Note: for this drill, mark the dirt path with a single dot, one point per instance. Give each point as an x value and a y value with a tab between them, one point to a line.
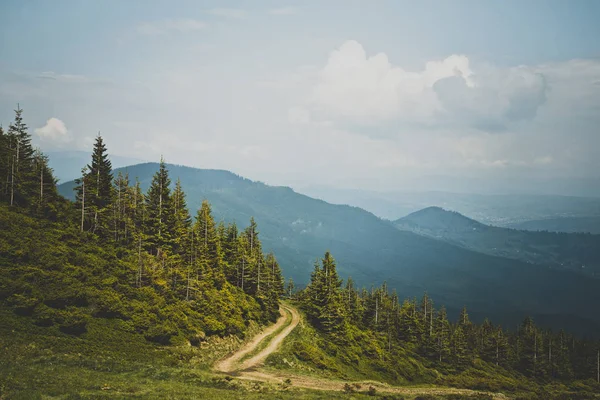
232	362
249	369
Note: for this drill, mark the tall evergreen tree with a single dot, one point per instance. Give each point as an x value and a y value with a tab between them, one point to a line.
209	259
46	182
442	335
160	217
21	185
101	187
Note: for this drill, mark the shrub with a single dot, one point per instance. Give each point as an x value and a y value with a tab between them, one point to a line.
73	321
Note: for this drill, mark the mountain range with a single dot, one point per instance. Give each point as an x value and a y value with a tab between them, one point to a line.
578	252
298	229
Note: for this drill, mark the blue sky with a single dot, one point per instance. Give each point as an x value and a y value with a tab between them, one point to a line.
366	94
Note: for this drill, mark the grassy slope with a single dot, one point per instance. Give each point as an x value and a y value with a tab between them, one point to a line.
110	362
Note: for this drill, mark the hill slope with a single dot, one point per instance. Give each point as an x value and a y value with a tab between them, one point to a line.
561	224
570	251
298	229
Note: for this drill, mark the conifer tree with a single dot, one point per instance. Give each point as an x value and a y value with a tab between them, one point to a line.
231	254
46	184
183	221
289	289
459	351
100	187
207	243
5	163
160	217
22	187
442	335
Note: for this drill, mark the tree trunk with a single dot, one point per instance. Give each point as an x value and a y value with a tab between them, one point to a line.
82	201
12	183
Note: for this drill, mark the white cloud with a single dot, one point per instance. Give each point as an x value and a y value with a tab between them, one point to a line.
54	130
170	25
369	90
233	13
283	11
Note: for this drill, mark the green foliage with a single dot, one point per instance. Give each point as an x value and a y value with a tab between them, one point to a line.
482	357
137	258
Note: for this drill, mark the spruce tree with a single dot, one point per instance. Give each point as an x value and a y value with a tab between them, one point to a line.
160	217
100	188
442	335
207	242
459	347
183	221
46	182
22	187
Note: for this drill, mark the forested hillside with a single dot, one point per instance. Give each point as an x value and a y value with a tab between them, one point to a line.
371	251
124	253
579	252
402	339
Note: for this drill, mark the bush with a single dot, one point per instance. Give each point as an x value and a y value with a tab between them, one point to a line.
73	321
161	333
23	305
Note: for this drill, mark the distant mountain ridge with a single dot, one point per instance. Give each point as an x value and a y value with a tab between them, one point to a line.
298	229
573	251
561	224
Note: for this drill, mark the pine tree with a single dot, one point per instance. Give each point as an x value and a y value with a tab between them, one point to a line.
100	188
209	257
441	335
5	164
459	347
324	302
183	221
82	197
46	184
412	326
21	183
289	289
231	254
121	209
160	217
252	257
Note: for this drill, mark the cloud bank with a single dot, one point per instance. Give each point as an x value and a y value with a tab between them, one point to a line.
369	90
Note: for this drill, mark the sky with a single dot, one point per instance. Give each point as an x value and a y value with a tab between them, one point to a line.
370	95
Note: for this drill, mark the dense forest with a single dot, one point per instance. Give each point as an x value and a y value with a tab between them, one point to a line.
120	253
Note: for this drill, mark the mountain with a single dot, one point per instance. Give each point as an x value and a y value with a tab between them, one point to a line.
493	209
570	251
298	229
590	224
67	164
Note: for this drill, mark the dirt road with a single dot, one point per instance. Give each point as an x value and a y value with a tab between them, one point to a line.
232	363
